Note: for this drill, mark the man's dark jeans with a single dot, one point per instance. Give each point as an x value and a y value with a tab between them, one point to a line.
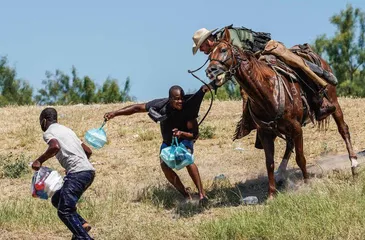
66	198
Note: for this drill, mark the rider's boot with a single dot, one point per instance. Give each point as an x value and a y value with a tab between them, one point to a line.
323	107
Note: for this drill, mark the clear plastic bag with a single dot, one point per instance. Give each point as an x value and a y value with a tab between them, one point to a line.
176	156
45	182
96	137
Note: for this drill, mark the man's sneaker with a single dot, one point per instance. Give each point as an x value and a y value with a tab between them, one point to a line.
203	202
86	226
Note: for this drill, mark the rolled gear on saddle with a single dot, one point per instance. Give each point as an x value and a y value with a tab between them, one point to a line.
322	73
278	49
321	107
245	38
314	62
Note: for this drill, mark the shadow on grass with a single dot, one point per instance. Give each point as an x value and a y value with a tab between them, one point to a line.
167	197
221	193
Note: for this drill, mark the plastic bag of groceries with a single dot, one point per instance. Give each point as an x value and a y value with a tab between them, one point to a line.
45	182
176	156
96	137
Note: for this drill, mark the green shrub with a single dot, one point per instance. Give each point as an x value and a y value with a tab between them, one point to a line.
14	166
146	135
207	132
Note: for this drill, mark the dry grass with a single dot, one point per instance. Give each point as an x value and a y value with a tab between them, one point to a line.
130	198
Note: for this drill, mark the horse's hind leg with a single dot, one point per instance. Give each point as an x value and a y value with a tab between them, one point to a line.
343	129
280	174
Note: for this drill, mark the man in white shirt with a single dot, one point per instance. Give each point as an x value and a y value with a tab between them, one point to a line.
74	156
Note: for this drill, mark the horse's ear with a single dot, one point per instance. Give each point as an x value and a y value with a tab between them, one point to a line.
227	36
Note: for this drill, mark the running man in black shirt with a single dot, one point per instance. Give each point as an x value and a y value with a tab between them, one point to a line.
178	117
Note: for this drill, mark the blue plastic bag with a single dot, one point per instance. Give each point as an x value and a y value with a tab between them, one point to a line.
96	137
176	156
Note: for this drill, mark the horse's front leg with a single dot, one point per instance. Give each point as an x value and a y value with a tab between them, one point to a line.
281	174
267	140
297	136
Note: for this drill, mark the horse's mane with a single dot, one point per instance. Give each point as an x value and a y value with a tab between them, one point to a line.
260	71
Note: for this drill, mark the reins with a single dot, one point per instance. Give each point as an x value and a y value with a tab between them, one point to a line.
211	93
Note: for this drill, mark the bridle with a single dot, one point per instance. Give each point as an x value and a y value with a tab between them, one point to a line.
235	55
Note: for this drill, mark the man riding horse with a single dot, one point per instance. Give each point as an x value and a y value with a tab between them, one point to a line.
277	105
262	45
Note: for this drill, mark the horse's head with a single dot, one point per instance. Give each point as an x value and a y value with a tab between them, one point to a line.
222	60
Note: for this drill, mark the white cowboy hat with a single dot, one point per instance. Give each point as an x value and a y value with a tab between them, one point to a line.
199	37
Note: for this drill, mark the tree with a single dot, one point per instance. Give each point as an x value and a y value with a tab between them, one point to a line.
125	97
13	90
109	92
59	88
89	89
56	89
345	51
229	91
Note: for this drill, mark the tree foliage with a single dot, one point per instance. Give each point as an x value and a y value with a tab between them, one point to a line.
62	89
13	90
345	51
229	91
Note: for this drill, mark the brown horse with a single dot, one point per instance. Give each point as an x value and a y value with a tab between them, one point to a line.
275	103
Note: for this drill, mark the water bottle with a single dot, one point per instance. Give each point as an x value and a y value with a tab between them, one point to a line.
180	156
39	185
219	177
250	200
42	194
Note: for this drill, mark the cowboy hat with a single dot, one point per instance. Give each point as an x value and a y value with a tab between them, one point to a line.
199	37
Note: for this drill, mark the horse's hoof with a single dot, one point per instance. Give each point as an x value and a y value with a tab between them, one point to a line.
280	177
280	183
270	198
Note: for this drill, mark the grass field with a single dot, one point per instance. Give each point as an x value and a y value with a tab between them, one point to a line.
131	199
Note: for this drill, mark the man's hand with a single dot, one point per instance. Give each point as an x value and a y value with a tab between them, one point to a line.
109	116
176	133
36	165
205	88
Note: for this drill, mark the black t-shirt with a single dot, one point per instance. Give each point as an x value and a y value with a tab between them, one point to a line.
175	118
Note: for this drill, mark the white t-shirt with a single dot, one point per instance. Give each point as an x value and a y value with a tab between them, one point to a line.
71	154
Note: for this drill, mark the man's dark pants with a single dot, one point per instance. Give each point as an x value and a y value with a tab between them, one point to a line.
65	200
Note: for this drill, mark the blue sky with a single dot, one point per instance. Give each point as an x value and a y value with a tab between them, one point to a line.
149	41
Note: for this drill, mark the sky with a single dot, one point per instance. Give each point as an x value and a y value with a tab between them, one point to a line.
148	41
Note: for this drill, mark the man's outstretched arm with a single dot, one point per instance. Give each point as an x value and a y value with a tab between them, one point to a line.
128	110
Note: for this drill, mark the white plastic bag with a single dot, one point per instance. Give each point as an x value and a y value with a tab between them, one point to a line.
45	183
53	183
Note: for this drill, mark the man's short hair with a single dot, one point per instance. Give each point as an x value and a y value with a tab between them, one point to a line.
50	114
176	87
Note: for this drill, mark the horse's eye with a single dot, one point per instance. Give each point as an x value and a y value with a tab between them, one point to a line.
224	50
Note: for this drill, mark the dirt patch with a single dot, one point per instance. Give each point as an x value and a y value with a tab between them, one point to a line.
258	186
